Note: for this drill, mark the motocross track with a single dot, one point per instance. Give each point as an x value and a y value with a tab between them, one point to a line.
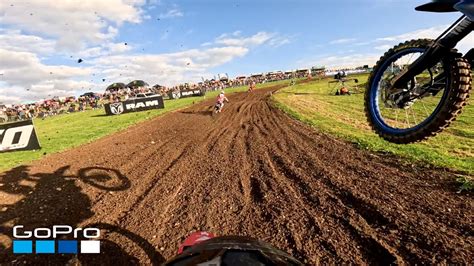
250	170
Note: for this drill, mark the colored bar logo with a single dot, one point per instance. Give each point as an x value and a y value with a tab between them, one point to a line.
48	247
45	247
90	247
67	246
23	245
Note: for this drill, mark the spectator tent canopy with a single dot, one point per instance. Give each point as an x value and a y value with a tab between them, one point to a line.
158	86
115	87
318	71
302	71
89	94
137	84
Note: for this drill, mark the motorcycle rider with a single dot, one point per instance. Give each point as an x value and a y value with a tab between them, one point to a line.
252	86
220	101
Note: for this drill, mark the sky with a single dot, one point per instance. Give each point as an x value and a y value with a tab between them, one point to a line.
171	42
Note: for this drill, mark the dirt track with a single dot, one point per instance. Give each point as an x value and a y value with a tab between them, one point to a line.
252	171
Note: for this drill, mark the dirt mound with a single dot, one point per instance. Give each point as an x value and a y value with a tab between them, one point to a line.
250	170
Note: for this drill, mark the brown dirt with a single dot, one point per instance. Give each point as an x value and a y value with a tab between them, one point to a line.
250	170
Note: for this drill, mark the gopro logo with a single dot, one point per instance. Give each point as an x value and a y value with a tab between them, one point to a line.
52	246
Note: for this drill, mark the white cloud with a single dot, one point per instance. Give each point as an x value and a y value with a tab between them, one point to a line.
28	79
466	44
256	39
279	41
74	24
353	60
6	96
343	41
340	61
44	90
172	13
430	33
234	39
381	44
109	48
14	40
167	69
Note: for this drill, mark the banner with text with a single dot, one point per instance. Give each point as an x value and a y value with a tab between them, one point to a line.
135	105
18	136
186	93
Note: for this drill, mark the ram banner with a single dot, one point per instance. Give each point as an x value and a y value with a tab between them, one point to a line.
134	105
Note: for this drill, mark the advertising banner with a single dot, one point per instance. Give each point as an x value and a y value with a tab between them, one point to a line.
135	105
186	93
18	136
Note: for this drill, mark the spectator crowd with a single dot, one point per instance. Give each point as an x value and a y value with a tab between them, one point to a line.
55	106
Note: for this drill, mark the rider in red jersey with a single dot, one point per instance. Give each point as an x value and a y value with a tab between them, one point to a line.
220	101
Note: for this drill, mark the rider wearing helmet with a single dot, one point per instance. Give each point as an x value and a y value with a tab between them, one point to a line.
252	86
220	101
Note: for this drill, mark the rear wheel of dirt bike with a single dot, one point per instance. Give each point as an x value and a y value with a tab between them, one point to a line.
429	103
215	109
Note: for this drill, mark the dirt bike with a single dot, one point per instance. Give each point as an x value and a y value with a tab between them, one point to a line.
203	248
218	108
419	87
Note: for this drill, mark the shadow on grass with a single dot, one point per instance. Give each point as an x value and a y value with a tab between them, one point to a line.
100	115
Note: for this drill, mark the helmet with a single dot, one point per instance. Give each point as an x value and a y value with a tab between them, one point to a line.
222	91
231	250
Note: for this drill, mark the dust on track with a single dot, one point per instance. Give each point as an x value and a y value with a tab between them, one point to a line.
250	170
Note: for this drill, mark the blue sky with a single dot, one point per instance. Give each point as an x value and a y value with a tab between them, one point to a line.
310	26
170	42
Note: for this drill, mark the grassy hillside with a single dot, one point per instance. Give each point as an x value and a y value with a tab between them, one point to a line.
344	117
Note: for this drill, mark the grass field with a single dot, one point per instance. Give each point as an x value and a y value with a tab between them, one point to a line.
66	131
344	117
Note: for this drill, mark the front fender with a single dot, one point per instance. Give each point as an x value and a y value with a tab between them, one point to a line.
466	7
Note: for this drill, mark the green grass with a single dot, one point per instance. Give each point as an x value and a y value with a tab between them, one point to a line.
465	183
344	117
66	131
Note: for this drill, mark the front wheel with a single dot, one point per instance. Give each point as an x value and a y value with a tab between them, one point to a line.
428	103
